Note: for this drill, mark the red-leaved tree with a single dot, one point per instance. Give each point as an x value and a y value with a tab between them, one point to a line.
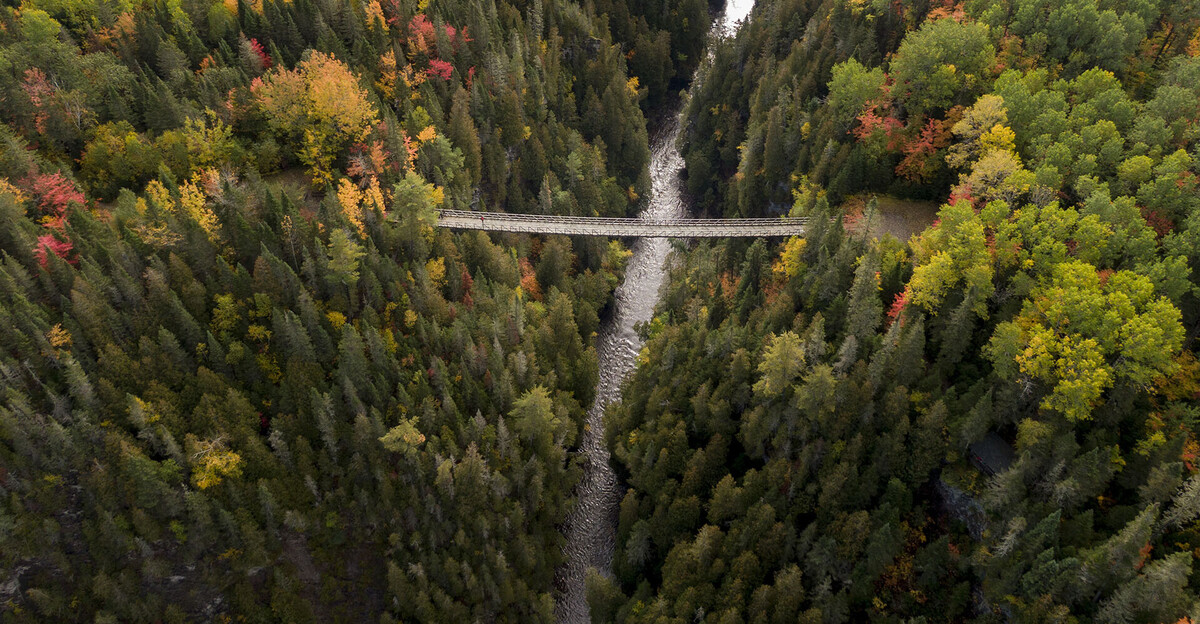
440	69
918	163
54	192
50	241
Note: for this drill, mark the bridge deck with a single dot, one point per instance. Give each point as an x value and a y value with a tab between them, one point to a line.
603	226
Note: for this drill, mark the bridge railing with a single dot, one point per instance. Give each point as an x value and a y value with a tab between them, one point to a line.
559	219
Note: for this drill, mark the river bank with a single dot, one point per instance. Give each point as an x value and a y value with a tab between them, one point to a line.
591	527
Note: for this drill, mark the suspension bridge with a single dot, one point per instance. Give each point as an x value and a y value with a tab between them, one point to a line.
617	228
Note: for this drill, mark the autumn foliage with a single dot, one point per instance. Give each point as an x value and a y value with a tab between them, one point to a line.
55	195
319	107
529	282
920	161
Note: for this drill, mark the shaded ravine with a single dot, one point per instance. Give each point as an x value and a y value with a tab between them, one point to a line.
591	527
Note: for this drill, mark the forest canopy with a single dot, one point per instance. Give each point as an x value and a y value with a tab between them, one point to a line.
244	377
993	420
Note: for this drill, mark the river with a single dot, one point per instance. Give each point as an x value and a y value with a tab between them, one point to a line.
591	527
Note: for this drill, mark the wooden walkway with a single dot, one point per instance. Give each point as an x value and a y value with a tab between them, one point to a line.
617	228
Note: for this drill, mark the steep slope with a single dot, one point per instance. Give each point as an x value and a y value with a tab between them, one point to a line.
992	422
244	379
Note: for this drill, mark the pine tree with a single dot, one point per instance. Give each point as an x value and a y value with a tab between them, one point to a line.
866	308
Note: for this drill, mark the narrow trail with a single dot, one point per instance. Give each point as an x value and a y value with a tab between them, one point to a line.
591	527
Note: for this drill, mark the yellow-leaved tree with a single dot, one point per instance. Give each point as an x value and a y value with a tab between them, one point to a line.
1080	333
319	107
952	253
212	461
